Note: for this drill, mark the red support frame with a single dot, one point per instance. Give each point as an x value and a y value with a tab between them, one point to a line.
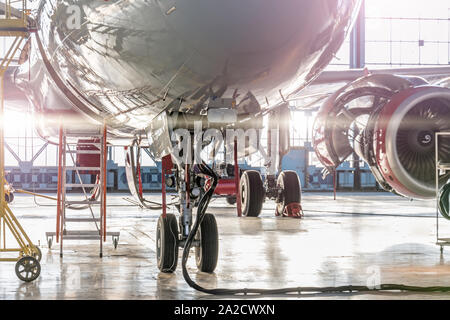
138	174
226	187
105	178
335	183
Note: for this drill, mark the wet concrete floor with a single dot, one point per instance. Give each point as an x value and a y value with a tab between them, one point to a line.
360	239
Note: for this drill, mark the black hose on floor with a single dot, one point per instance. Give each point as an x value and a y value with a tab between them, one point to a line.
203	205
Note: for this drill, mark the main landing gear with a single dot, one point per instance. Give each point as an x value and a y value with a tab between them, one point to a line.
285	191
252	193
289	195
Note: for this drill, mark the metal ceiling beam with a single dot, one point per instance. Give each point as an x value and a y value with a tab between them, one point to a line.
358	41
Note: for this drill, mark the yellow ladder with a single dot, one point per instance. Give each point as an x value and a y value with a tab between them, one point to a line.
14	24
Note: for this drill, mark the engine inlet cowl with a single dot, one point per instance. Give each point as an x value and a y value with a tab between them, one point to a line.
404	140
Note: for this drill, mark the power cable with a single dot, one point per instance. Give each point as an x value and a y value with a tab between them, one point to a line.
201	211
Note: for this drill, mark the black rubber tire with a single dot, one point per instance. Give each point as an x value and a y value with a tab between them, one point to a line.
207	254
28	269
167	243
252	193
231	201
289	183
9	197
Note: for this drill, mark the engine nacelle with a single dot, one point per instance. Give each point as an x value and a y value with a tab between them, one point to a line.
404	139
390	122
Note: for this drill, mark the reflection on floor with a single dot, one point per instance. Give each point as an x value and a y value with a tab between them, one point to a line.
354	240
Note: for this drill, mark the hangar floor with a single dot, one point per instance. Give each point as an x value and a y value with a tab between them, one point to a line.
341	242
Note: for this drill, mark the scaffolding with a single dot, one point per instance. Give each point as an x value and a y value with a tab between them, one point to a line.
14	24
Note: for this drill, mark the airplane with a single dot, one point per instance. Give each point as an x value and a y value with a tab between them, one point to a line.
161	74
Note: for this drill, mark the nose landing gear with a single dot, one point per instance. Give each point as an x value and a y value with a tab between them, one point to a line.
172	232
206	244
207	249
167	243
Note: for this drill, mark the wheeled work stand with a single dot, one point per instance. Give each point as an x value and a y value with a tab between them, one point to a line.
14	26
440	167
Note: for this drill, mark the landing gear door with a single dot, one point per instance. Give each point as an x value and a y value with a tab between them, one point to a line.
158	134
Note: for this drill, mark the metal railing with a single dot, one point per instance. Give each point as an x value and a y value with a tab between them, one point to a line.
10	8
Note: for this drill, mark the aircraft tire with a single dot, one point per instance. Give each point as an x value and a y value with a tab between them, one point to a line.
207	253
167	243
252	193
290	188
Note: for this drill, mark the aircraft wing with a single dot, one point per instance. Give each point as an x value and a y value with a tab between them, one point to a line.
331	81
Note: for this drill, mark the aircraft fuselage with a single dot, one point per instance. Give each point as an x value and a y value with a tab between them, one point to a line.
127	61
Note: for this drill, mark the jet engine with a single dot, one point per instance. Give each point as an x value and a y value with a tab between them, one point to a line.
390	122
404	140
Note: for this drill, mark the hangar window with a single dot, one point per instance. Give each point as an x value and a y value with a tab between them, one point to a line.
395	37
398	37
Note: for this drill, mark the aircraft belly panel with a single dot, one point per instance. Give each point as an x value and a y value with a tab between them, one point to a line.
129	60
